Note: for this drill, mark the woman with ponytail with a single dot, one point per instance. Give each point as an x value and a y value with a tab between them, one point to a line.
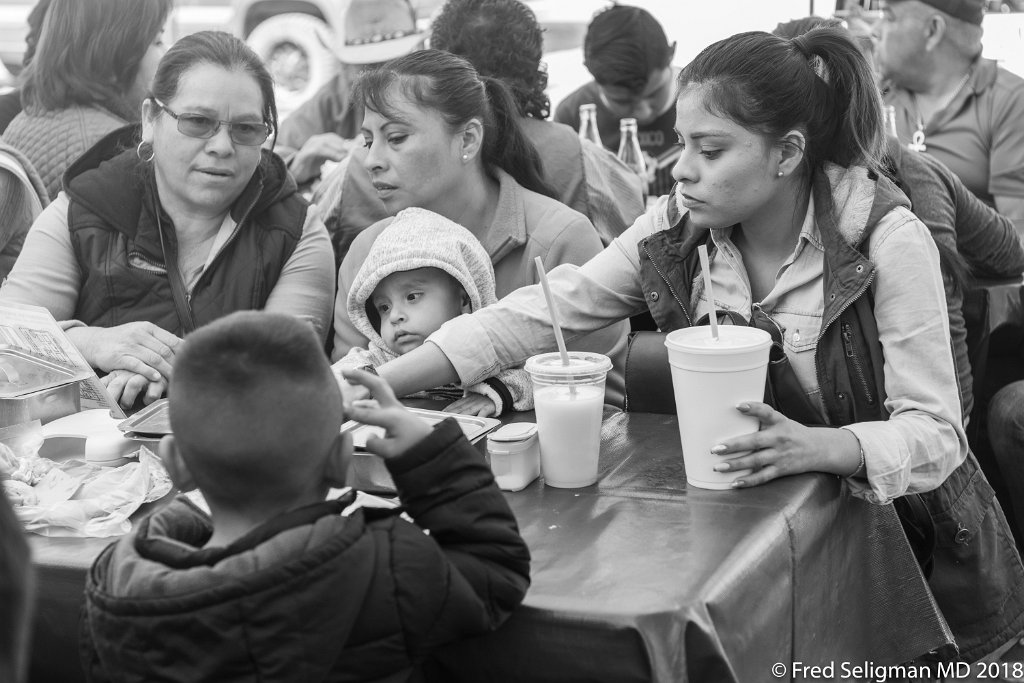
779	177
438	136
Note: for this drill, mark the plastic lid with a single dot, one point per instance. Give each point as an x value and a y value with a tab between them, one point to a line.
517	431
580	363
22	372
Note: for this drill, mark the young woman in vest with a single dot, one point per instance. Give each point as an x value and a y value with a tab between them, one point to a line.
440	137
163	228
778	175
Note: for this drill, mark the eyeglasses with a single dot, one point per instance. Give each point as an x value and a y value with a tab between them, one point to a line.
205	127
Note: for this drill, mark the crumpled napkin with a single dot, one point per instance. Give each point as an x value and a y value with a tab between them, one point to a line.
80	499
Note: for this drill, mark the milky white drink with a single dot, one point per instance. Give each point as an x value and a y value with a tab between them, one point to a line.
709	379
569	402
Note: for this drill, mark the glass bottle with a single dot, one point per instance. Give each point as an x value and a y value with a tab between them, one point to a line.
629	149
588	124
890	121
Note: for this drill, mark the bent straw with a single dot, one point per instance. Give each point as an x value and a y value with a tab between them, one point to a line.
551	309
702	250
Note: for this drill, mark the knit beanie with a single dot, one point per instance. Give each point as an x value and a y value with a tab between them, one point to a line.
418	238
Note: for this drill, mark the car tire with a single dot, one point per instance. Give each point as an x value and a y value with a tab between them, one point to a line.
294	55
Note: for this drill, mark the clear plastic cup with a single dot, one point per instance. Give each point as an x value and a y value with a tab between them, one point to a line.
569	402
709	378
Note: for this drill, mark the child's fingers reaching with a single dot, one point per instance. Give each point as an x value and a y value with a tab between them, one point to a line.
379	388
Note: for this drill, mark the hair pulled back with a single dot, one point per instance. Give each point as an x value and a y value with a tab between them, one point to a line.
88	52
818	83
501	39
219	49
449	85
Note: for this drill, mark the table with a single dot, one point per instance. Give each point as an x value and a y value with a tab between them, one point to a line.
640	578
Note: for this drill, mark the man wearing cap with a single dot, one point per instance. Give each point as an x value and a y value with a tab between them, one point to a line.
964	110
629	56
324	127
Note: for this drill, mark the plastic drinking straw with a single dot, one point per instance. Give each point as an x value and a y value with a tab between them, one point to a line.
702	250
554	314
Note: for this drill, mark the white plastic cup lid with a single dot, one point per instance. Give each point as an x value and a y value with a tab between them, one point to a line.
580	363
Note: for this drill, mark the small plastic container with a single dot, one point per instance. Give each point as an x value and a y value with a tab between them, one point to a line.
514	454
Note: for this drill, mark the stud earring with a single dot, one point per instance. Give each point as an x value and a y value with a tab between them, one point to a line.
781	174
465	157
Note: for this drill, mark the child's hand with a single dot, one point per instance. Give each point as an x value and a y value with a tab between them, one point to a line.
402	429
473	404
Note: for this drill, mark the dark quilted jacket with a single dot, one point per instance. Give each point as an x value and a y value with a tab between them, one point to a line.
312	595
52	140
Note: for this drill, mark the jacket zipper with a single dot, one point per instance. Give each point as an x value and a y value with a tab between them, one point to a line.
828	323
669	285
857	368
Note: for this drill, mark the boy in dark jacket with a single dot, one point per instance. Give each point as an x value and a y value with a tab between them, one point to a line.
276	584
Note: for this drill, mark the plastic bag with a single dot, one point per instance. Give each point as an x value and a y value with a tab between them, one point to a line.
80	499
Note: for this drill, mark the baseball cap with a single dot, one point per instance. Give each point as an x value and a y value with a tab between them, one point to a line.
971	11
378	30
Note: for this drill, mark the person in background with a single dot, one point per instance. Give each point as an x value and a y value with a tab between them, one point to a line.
442	138
630	58
89	74
168	226
964	110
779	175
10	102
276	583
22	199
17	589
422	271
326	127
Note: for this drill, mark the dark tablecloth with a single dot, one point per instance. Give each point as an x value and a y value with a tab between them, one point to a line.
641	578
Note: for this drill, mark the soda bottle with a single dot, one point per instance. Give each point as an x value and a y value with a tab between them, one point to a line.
630	152
588	124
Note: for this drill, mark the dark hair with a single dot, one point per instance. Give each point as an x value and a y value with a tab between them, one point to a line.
798	27
623	46
35	25
16	591
219	49
501	39
450	85
818	83
251	373
89	52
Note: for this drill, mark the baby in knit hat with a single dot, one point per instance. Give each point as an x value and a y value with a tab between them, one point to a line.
422	271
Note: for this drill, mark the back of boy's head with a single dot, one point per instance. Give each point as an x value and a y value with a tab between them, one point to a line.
254	408
623	46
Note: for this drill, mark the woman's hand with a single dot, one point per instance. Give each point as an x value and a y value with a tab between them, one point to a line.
138	347
402	429
473	404
125	386
783	447
306	163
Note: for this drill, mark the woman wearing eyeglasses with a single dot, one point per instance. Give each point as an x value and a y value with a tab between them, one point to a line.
165	227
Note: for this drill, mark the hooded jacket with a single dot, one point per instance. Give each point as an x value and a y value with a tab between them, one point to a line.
313	594
418	238
116	221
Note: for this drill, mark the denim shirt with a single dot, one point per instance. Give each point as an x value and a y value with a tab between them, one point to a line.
795	302
915	450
